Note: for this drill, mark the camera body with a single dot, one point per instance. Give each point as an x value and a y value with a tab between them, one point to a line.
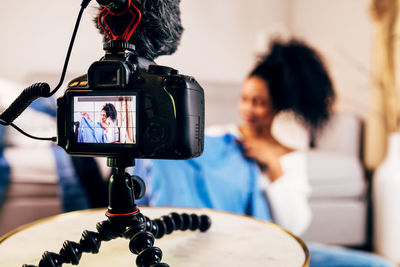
156	113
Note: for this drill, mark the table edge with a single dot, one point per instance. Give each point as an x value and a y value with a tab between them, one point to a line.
299	240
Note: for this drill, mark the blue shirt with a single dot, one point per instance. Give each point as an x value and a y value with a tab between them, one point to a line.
221	178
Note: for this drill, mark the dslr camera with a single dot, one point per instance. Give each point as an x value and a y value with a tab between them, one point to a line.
126	106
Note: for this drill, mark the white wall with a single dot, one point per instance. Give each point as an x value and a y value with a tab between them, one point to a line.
342	31
222	36
35	36
219	44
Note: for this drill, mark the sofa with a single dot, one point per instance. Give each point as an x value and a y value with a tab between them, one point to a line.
339	199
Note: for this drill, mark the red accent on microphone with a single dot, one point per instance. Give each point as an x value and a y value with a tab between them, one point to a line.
131	10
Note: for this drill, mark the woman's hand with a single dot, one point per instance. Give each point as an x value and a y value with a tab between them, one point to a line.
105	125
84	114
266	153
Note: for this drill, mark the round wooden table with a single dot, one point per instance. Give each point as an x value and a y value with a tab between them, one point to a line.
232	240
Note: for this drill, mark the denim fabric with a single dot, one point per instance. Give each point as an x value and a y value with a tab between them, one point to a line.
45	105
335	256
73	195
4	167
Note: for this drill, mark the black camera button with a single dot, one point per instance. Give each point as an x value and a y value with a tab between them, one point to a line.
148	102
155	133
174	82
150	113
140	80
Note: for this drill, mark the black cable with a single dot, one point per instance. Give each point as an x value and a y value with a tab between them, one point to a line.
85	3
27	96
53	139
71	44
40	89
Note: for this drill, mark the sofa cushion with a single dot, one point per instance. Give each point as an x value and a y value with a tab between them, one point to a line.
31	164
338	221
334	175
341	135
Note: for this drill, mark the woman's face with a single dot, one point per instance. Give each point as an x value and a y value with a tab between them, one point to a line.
255	104
103	115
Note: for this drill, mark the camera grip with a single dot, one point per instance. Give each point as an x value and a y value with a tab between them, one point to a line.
27	96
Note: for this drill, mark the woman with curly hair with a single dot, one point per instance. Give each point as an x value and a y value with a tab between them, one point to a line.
290	78
108	120
244	168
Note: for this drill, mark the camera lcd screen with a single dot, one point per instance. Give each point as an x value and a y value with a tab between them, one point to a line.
105	119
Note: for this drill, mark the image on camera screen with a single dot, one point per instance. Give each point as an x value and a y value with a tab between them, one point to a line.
105	119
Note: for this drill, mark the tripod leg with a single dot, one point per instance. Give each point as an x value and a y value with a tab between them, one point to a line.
142	239
141	244
174	221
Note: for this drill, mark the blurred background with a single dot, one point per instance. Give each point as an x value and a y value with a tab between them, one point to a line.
221	42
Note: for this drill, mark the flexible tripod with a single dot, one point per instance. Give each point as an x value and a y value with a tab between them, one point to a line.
125	220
